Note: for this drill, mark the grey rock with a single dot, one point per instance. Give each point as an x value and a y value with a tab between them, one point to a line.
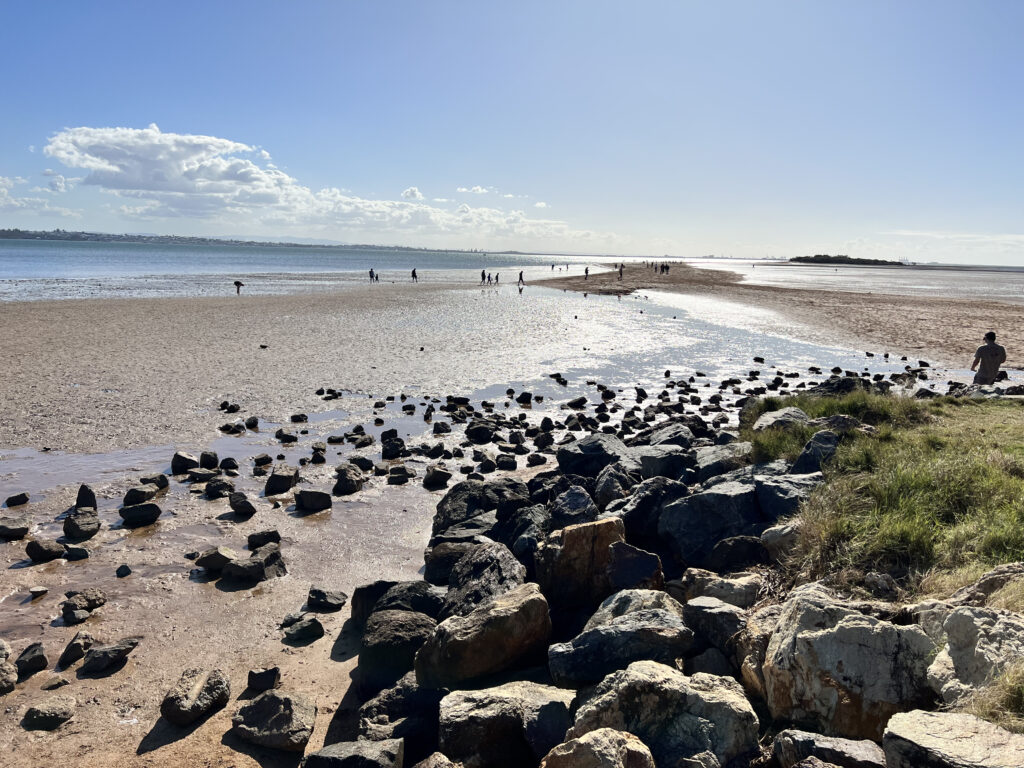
50	714
277	720
612	483
8	677
979	644
140	515
75	649
603	748
716	621
792	746
819	449
305	630
784	418
197	693
81	524
417	596
358	754
100	658
320	599
949	740
587	457
470	498
215	558
780	496
572	507
693	525
43	550
483	573
405	711
715	460
139	494
264	563
84	602
31	660
389	645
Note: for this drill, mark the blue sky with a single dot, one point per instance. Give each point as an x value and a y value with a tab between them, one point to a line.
877	129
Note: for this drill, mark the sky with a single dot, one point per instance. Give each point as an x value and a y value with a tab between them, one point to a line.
745	129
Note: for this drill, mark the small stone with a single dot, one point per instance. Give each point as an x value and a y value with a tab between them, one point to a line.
325	600
197	693
43	551
51	714
37	592
264	679
122	571
31	660
17	500
304	631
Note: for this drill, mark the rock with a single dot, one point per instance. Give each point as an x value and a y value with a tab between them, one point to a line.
669	461
43	550
406	711
780	496
703	718
713	460
740	590
219	488
389	647
31	660
473	497
81	524
365	597
140	515
182	462
53	682
657	635
949	740
86	498
281	480
350	480
123	571
417	596
483	573
631	600
305	630
736	553
612	483
572	564
845	672
717	622
259	538
276	720
208	460
779	540
819	449
215	558
264	563
693	525
571	507
50	714
392	448
312	501
508	726
73	553
14	528
441	558
630	567
79	605
200	475
264	678
643	507
17	500
603	748
8	677
479	432
671	433
5	651
100	658
587	457
512	627
34	593
980	643
792	746
784	418
711	662
197	693
240	505
75	649
358	754
436	478
139	494
328	601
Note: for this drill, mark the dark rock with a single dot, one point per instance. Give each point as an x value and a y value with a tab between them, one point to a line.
43	550
736	553
612	483
197	693
479	432
264	563
100	658
215	558
405	711
276	720
182	462
389	753
264	679
436	478
693	525
73	553
219	488
208	460
780	496
240	505
140	515
17	500
82	523
75	649
139	494
350	480
792	746
202	475
50	714
281	480
593	453
259	538
669	461
485	572
714	620
365	597
506	463
715	460
86	498
389	646
819	449
415	596
644	506
14	528
442	557
630	567
312	501
305	630
79	605
31	660
325	600
392	448
473	497
572	564
123	571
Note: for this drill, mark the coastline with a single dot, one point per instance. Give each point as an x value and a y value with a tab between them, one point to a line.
948	330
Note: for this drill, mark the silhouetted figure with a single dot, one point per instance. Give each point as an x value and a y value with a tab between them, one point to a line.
238	287
991	356
414	278
497	277
489	281
586	273
620	271
483	275
371	275
521	281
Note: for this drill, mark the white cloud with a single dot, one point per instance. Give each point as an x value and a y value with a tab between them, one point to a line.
164	175
441	200
540	204
28	205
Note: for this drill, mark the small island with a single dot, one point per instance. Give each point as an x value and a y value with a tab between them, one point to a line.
824	258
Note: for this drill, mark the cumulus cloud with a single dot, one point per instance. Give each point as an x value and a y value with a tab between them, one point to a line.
540	204
10	202
161	175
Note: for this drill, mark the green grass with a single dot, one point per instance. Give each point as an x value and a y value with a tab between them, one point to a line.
938	489
1002	701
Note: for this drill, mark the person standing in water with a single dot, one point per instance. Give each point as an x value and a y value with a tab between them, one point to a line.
238	287
414	278
990	355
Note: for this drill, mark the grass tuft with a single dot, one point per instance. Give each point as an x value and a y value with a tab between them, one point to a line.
1002	701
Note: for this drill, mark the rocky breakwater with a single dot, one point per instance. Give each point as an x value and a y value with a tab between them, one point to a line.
618	611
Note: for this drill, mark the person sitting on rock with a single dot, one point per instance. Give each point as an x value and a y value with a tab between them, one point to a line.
990	355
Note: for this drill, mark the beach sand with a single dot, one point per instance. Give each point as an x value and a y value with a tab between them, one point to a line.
946	330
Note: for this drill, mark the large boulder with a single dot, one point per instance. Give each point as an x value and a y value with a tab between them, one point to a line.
780	496
603	748
630	567
784	418
613	482
841	671
949	740
713	460
703	719
473	497
658	635
197	693
358	754
509	726
416	596
573	506
671	433
483	573
277	720
511	628
389	646
572	564
631	600
693	525
980	643
716	621
740	589
643	507
792	746
669	461
587	457
406	711
819	449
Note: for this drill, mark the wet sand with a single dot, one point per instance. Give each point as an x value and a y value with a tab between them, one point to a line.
947	330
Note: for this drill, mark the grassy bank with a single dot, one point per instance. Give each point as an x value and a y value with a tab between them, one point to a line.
933	497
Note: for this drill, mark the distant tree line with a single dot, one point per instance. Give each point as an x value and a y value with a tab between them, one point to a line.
824	258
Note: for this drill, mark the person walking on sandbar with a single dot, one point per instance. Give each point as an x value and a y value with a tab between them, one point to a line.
586	273
371	274
521	281
620	271
483	276
990	355
238	287
414	278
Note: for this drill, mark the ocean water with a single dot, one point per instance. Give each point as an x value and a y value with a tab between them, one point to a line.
33	270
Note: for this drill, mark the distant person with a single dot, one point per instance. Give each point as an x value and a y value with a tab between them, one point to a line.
586	273
552	267
620	271
483	275
990	355
497	277
489	281
371	275
414	278
238	287
521	281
